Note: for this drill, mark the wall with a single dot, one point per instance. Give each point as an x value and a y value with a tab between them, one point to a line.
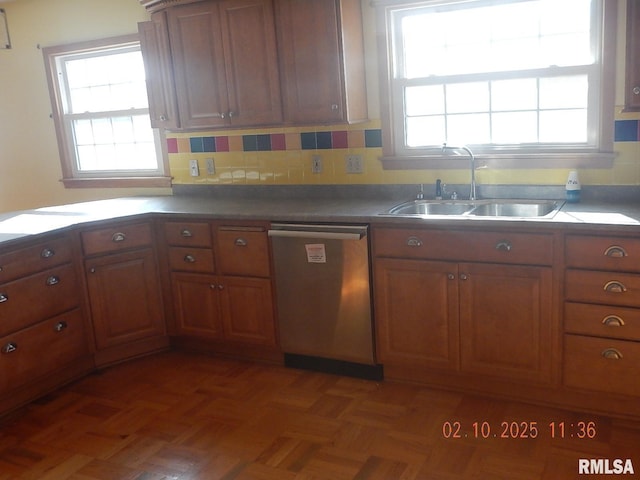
29	163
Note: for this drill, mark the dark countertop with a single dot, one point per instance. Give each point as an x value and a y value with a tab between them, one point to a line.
21	224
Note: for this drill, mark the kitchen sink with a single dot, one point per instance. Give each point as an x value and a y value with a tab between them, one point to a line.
478	208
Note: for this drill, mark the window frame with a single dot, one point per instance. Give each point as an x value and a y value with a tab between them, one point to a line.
393	156
71	177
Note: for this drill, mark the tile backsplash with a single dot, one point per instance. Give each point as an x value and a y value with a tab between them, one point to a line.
283	156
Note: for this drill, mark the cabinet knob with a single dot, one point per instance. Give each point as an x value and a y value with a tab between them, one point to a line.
504	246
413	241
451	276
118	237
615	287
189	258
162	118
4	298
52	280
47	253
231	114
60	326
464	276
186	233
612	354
615	251
240	242
613	321
220	287
9	347
636	90
334	107
92	270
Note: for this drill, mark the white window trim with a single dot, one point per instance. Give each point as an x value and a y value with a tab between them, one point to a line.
392	138
71	177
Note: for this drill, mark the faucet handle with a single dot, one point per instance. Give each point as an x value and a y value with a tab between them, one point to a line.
420	194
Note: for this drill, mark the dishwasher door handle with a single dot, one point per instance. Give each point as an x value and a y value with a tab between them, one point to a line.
323	234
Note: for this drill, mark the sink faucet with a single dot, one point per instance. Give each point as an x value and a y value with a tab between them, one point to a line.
472	159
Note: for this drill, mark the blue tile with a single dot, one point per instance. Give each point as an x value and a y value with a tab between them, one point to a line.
196	144
626	131
249	143
209	144
308	141
263	142
323	140
373	138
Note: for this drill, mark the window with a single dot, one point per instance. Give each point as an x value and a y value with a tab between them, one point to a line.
101	114
518	81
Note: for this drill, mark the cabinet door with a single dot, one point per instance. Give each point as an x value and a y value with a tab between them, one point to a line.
253	80
198	62
322	60
506	321
197	305
417	313
632	87
248	314
125	299
154	42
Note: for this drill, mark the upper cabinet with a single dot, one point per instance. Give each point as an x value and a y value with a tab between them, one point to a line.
227	63
632	67
322	60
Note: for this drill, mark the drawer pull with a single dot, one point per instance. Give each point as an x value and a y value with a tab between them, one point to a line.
451	276
240	242
612	354
47	253
413	241
118	237
615	287
504	246
615	251
52	280
189	258
10	347
60	326
613	321
186	233
4	297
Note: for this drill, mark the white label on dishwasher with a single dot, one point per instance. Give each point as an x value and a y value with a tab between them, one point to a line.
316	253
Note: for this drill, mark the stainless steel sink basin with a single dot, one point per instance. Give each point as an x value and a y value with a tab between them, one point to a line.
478	208
426	207
517	209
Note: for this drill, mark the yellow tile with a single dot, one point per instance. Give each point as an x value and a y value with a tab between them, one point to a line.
355	139
184	145
292	141
235	143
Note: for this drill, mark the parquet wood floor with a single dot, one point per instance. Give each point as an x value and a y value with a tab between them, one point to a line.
179	416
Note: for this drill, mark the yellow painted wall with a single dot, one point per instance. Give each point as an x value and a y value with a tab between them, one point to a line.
29	163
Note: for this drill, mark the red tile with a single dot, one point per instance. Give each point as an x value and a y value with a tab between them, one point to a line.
339	139
172	145
222	144
278	141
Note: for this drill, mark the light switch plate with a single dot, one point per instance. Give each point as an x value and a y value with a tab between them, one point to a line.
193	168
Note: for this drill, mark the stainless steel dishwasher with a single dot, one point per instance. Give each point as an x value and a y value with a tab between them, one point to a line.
324	297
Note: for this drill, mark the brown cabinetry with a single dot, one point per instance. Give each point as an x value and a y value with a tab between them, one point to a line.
124	291
43	341
322	60
490	313
602	313
632	65
220	283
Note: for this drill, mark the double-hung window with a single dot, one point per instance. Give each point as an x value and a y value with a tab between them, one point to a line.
526	81
101	113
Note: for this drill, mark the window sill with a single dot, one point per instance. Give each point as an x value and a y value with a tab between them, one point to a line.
502	161
117	182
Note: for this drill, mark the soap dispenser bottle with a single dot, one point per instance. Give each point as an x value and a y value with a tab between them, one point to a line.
573	187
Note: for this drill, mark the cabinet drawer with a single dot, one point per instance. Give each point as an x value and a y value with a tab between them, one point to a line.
243	251
603	287
494	247
604	253
602	321
36	258
602	364
116	238
191	259
42	348
194	234
31	299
